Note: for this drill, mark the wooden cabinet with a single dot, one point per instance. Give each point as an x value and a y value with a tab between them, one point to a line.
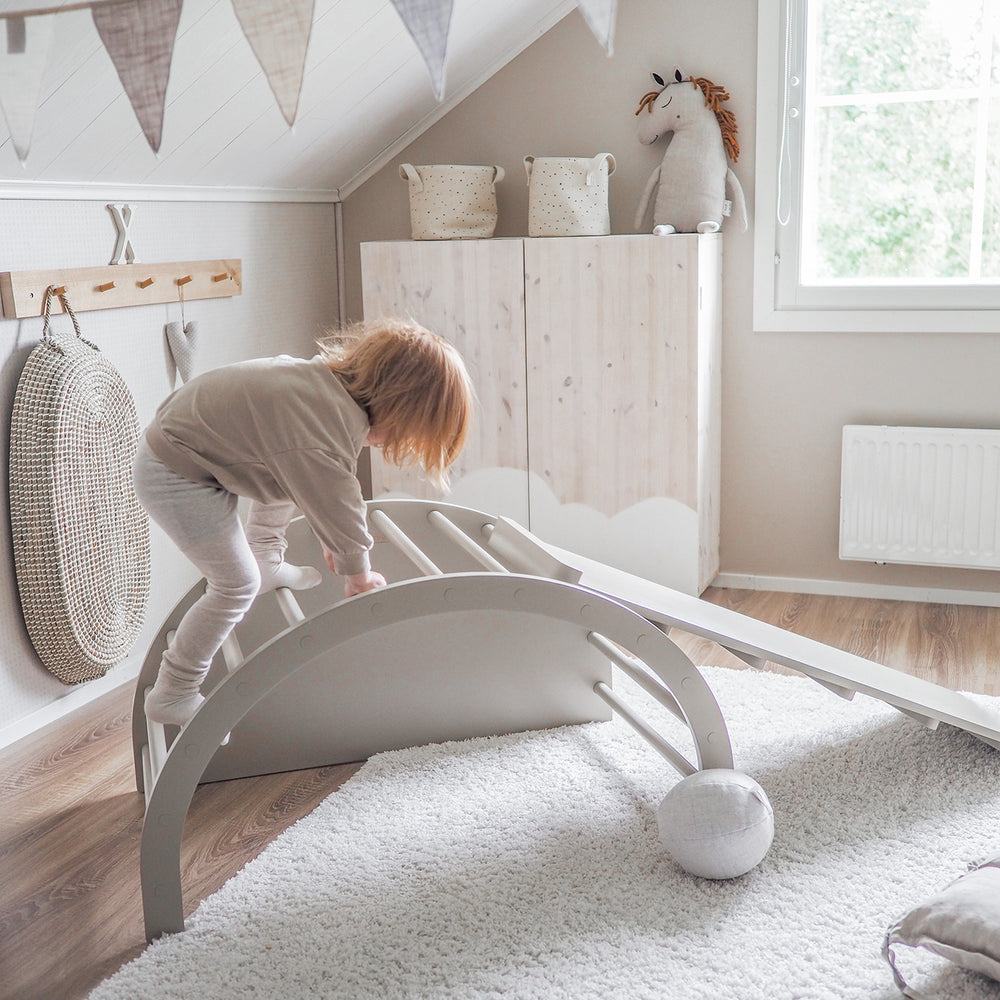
596	362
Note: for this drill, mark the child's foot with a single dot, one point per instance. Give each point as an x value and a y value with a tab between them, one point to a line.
281	574
171	709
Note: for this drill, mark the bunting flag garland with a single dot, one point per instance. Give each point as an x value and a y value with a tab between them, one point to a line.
600	17
428	22
278	32
24	53
139	37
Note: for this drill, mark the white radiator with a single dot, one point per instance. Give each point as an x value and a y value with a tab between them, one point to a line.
921	495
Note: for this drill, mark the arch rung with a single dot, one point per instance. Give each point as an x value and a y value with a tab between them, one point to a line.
464	542
148	778
289	606
397	537
633	667
526	554
156	749
650	735
232	653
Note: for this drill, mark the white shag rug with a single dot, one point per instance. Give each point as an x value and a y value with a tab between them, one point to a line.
529	866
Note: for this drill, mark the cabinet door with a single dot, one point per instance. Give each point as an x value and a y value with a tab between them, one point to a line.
612	327
472	293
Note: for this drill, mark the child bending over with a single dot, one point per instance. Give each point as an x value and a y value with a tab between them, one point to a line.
286	433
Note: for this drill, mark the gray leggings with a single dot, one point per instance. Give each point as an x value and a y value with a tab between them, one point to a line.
205	524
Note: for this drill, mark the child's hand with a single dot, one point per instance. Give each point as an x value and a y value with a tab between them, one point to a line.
361	582
328	556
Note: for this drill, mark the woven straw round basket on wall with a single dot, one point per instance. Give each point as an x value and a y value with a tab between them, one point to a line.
80	537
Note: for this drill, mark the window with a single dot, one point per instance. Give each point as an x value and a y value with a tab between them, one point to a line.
878	165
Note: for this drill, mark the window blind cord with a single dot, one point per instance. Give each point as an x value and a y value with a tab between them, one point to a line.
784	213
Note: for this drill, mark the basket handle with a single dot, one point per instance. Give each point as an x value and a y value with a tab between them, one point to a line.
49	292
595	167
408	172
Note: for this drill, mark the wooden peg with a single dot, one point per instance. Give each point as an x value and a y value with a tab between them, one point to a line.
134	284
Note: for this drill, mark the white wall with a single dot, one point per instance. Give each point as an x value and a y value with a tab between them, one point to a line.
289	298
786	396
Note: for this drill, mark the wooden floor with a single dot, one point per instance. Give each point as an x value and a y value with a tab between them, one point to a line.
70	817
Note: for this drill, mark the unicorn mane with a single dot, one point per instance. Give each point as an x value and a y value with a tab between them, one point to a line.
714	96
647	101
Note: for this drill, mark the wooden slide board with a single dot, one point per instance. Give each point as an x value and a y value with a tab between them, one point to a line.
755	641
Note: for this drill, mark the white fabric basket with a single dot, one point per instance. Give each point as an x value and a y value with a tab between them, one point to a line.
568	195
451	201
80	537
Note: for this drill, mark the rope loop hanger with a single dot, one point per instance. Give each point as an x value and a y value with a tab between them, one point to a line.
50	293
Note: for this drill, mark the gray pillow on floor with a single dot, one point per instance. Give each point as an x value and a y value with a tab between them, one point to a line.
960	923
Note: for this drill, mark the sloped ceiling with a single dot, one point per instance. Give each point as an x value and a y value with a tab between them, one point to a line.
366	94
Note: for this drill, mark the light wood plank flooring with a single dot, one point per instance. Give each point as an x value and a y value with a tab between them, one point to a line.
70	817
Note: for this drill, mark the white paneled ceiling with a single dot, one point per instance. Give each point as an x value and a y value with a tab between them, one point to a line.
366	94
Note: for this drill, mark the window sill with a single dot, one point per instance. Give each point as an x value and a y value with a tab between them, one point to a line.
767	319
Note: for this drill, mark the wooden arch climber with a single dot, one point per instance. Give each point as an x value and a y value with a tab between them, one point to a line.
480	632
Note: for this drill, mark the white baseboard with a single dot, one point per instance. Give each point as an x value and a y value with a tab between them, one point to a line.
846	588
74	698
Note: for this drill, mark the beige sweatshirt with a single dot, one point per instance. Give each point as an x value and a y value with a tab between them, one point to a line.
274	429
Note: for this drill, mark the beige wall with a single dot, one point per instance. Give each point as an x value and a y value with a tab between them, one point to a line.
288	299
786	396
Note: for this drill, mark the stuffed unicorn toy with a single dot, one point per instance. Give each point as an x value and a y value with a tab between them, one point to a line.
694	173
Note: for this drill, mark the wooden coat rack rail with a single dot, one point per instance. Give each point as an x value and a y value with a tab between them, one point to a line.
22	293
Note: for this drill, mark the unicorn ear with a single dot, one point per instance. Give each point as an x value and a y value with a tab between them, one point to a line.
658	80
677	76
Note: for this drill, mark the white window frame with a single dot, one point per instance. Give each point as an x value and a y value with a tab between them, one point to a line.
781	302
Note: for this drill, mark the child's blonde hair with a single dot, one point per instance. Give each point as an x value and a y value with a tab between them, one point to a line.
413	385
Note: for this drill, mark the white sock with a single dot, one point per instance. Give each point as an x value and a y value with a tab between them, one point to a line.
171	708
275	572
265	529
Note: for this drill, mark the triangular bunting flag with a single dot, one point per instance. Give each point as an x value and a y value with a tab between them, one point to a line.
139	36
24	52
278	32
600	18
428	22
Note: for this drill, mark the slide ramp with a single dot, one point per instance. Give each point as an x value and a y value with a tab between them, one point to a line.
753	641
